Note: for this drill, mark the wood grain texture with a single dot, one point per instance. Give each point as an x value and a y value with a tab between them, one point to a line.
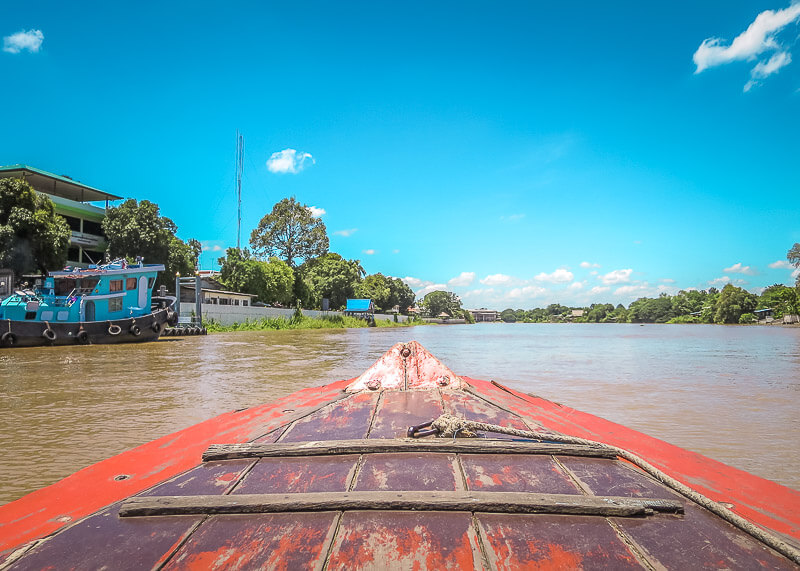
336	447
496	502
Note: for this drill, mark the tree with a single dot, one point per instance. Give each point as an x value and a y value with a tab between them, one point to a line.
437	302
401	295
732	303
793	255
291	233
272	281
508	315
32	236
138	229
377	288
331	276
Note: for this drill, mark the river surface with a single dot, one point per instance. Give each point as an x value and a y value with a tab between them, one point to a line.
730	393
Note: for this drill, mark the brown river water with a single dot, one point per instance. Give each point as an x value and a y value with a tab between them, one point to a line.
730	393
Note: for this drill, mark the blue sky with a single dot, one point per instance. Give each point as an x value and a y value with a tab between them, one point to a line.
515	153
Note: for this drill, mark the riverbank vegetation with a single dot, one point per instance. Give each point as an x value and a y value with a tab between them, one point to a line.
303	322
730	305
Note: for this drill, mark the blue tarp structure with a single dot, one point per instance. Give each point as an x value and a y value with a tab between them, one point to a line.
359	306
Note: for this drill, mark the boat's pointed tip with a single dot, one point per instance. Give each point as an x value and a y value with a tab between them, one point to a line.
406	366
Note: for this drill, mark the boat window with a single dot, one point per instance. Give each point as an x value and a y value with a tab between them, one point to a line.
86	285
130	283
30	315
62	315
46	316
65	286
151	282
115	304
115	285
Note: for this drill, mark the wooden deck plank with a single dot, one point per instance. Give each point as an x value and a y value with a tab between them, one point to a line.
473	408
105	541
705	541
516	473
406	472
346	419
207	478
406	540
299	475
616	478
268	541
399	410
405	445
501	502
554	542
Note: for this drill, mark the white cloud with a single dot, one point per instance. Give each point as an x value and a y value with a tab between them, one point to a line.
740	269
395	251
496	279
412	282
289	161
781	264
370	252
526	292
720	281
667	281
464	279
346	233
214	248
763	70
575	286
22	40
560	276
316	212
429	288
598	289
757	39
513	217
589	265
616	277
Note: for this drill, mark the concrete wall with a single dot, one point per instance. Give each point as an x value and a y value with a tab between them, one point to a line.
230	314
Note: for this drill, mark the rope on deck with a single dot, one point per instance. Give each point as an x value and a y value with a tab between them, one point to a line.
450	426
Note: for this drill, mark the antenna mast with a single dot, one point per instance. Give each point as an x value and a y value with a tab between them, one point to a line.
239	166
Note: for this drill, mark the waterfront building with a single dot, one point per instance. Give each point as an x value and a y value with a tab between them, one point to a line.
73	200
484	314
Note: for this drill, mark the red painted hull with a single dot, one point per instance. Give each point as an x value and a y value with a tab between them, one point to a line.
354	538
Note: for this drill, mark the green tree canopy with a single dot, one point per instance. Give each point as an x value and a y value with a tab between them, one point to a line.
732	303
138	229
32	236
291	233
793	255
401	295
272	281
377	288
331	276
440	301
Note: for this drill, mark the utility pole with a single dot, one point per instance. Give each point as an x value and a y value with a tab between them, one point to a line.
239	167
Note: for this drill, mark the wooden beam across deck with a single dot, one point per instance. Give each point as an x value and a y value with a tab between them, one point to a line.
494	502
375	446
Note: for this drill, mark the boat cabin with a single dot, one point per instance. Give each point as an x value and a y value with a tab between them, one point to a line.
113	291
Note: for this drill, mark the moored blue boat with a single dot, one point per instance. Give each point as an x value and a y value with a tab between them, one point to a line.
109	303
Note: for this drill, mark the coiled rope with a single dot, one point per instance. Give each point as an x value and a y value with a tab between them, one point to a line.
449	426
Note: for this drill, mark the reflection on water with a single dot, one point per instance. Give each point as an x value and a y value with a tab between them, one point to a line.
727	392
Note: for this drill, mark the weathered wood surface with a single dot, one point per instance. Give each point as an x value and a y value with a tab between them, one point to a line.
495	502
337	447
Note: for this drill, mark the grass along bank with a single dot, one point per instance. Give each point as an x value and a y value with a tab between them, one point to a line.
302	322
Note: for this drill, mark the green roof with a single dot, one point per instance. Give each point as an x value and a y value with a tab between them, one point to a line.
57	185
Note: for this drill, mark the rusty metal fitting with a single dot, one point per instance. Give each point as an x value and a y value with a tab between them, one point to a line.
374	384
405	352
443	381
